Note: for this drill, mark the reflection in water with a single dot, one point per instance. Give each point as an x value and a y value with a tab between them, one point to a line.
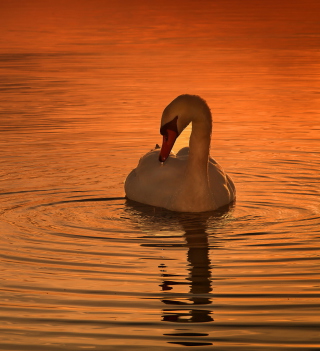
199	277
200	286
179	309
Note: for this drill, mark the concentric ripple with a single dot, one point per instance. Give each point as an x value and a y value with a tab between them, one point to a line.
82	271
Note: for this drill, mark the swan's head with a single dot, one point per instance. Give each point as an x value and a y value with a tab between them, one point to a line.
170	133
176	117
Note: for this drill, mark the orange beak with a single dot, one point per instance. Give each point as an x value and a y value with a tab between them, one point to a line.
169	139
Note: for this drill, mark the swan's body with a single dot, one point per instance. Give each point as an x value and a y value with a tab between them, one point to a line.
190	181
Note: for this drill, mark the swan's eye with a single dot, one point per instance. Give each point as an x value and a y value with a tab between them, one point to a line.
172	125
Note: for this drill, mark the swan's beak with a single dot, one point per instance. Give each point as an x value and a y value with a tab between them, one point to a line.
168	141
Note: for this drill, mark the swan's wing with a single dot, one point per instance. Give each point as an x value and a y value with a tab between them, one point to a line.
154	183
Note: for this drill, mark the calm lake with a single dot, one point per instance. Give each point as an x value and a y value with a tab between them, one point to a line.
82	88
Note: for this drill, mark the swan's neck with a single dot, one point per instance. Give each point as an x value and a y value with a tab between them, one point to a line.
199	145
194	192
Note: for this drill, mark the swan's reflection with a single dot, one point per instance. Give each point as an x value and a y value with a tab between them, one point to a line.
199	279
177	309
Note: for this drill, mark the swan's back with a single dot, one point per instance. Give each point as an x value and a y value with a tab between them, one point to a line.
159	185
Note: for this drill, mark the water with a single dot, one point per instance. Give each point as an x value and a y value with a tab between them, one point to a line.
82	91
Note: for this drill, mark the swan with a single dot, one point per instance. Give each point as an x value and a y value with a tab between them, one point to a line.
190	181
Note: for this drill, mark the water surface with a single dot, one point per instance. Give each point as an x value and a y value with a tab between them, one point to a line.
82	91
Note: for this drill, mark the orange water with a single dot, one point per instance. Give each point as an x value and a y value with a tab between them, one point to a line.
83	85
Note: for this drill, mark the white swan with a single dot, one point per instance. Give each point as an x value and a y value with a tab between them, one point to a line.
190	181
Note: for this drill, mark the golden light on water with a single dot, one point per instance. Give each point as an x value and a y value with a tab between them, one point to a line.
83	86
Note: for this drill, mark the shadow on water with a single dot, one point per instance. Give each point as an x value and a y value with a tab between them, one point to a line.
177	308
